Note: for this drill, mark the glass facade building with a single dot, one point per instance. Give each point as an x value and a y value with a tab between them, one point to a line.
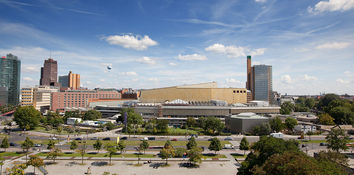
10	71
262	82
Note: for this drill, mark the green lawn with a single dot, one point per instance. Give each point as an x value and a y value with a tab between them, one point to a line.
54	131
205	156
237	156
11	154
43	142
43	154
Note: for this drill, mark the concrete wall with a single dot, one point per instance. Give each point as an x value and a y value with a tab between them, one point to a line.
241	125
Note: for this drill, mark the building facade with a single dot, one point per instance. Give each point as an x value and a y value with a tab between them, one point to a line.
27	96
73	81
263	87
10	72
64	81
49	73
196	92
42	97
79	98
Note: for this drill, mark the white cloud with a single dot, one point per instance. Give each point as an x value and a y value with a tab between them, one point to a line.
27	79
195	56
234	51
146	60
286	79
309	78
131	42
333	45
172	64
29	68
348	74
153	79
261	1
331	6
339	80
129	73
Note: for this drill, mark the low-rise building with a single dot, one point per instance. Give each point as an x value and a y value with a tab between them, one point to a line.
72	121
244	122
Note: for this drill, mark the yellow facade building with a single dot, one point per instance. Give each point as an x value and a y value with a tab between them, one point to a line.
74	81
27	96
195	92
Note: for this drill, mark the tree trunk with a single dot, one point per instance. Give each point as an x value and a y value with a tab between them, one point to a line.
110	160
34	169
166	161
82	159
244	152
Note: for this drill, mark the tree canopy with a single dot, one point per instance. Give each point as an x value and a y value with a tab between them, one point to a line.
215	145
286	108
337	140
92	115
276	124
290	123
27	117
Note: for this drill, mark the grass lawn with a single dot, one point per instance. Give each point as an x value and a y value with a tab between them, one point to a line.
10	154
205	156
44	154
43	142
237	156
54	131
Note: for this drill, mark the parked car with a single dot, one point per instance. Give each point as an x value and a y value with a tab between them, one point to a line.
106	138
94	138
37	145
228	138
228	146
323	144
78	138
210	139
145	138
194	135
151	138
13	144
124	138
174	139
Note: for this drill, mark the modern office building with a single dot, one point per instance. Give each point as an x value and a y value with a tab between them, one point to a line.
73	81
49	73
79	98
64	81
42	97
262	76
27	96
259	82
196	92
10	72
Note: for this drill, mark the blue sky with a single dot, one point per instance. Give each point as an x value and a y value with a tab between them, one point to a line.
157	43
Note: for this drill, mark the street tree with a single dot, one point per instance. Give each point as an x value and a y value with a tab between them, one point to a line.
167	153
310	103
54	119
168	144
51	144
111	149
121	146
35	161
26	145
73	145
287	108
144	145
5	143
215	145
195	155
27	117
276	124
213	125
82	151
54	153
244	145
191	143
92	115
325	119
191	122
97	145
290	123
337	140
162	126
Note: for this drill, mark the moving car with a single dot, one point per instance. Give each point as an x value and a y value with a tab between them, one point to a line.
37	145
228	138
106	138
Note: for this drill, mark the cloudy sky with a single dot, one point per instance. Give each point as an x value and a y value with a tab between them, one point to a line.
148	44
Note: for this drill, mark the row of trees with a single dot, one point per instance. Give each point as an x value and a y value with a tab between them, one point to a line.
275	125
210	125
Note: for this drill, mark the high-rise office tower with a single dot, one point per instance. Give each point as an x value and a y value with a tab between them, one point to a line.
64	81
49	73
262	81
10	72
74	80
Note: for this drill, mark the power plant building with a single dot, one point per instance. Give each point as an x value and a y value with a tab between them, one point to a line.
197	92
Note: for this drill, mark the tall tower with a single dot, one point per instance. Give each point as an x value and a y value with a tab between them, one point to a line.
49	73
74	80
10	72
249	73
263	86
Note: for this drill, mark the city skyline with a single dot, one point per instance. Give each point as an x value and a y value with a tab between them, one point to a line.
158	44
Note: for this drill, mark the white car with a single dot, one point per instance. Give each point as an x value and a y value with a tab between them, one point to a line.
145	138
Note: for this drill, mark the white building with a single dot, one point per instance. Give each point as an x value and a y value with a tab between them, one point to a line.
72	121
305	128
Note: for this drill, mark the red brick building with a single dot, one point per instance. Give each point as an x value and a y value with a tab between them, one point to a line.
79	98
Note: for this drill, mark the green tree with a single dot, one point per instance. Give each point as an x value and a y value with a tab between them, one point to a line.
180	152
97	145
134	119
27	117
144	145
333	156
287	108
215	145
54	153
325	119
82	151
54	119
121	146
51	144
195	155
5	143
168	144
111	149
166	153
342	115
325	100
17	169
337	140
213	125
162	126
276	124
310	103
261	130
191	143
73	145
26	145
92	115
290	123
201	122
191	122
244	145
